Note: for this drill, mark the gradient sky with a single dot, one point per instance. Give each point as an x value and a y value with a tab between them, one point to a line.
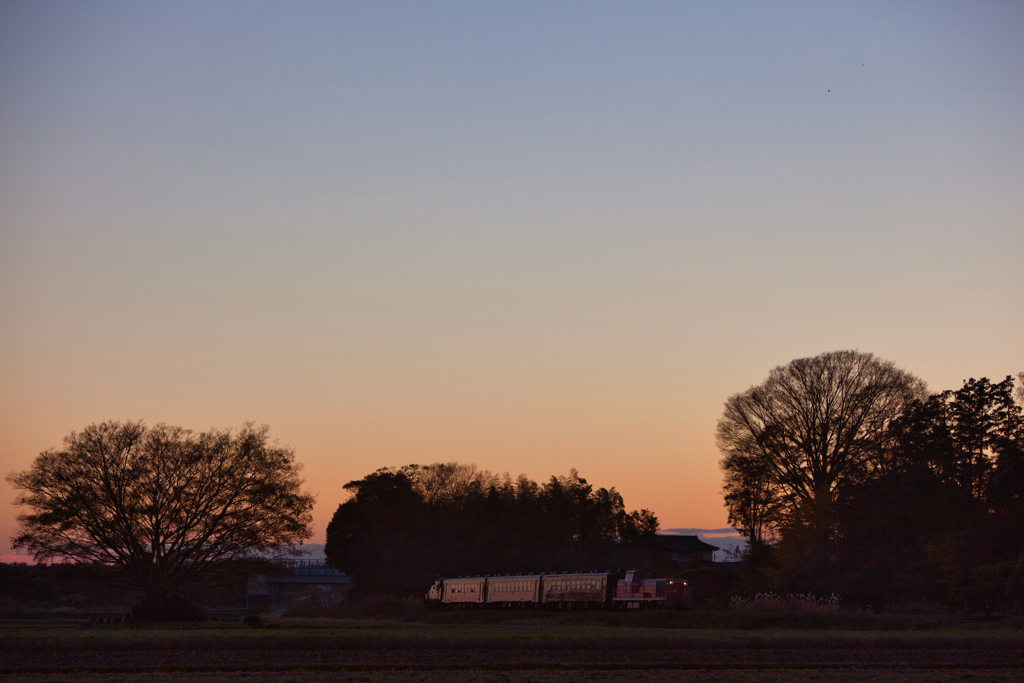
533	236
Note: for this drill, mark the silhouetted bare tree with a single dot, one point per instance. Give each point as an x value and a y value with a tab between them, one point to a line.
814	426
163	505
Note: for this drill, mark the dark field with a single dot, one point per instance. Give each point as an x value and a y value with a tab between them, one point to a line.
375	650
546	676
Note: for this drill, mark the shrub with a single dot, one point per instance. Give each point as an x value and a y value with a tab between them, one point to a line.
384	606
171	608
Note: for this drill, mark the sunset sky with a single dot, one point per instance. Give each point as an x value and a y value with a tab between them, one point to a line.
533	236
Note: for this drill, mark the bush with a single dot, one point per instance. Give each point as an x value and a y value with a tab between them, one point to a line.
368	606
385	606
171	608
309	609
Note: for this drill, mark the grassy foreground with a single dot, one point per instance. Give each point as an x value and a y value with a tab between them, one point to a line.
300	635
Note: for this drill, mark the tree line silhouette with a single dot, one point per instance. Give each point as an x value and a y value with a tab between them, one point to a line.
403	527
844	473
848	477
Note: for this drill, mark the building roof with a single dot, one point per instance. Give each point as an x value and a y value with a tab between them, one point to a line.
684	544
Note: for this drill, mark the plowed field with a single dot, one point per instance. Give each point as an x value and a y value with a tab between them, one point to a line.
433	654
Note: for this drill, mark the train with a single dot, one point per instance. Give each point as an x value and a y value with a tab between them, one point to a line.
634	589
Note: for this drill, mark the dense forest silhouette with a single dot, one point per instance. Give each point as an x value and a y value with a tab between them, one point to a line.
406	526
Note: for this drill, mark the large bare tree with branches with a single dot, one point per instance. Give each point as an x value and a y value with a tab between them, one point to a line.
162	505
814	426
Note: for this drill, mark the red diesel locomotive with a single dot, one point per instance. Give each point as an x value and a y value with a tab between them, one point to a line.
638	589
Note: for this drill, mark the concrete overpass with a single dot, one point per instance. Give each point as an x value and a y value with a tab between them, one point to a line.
263	592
